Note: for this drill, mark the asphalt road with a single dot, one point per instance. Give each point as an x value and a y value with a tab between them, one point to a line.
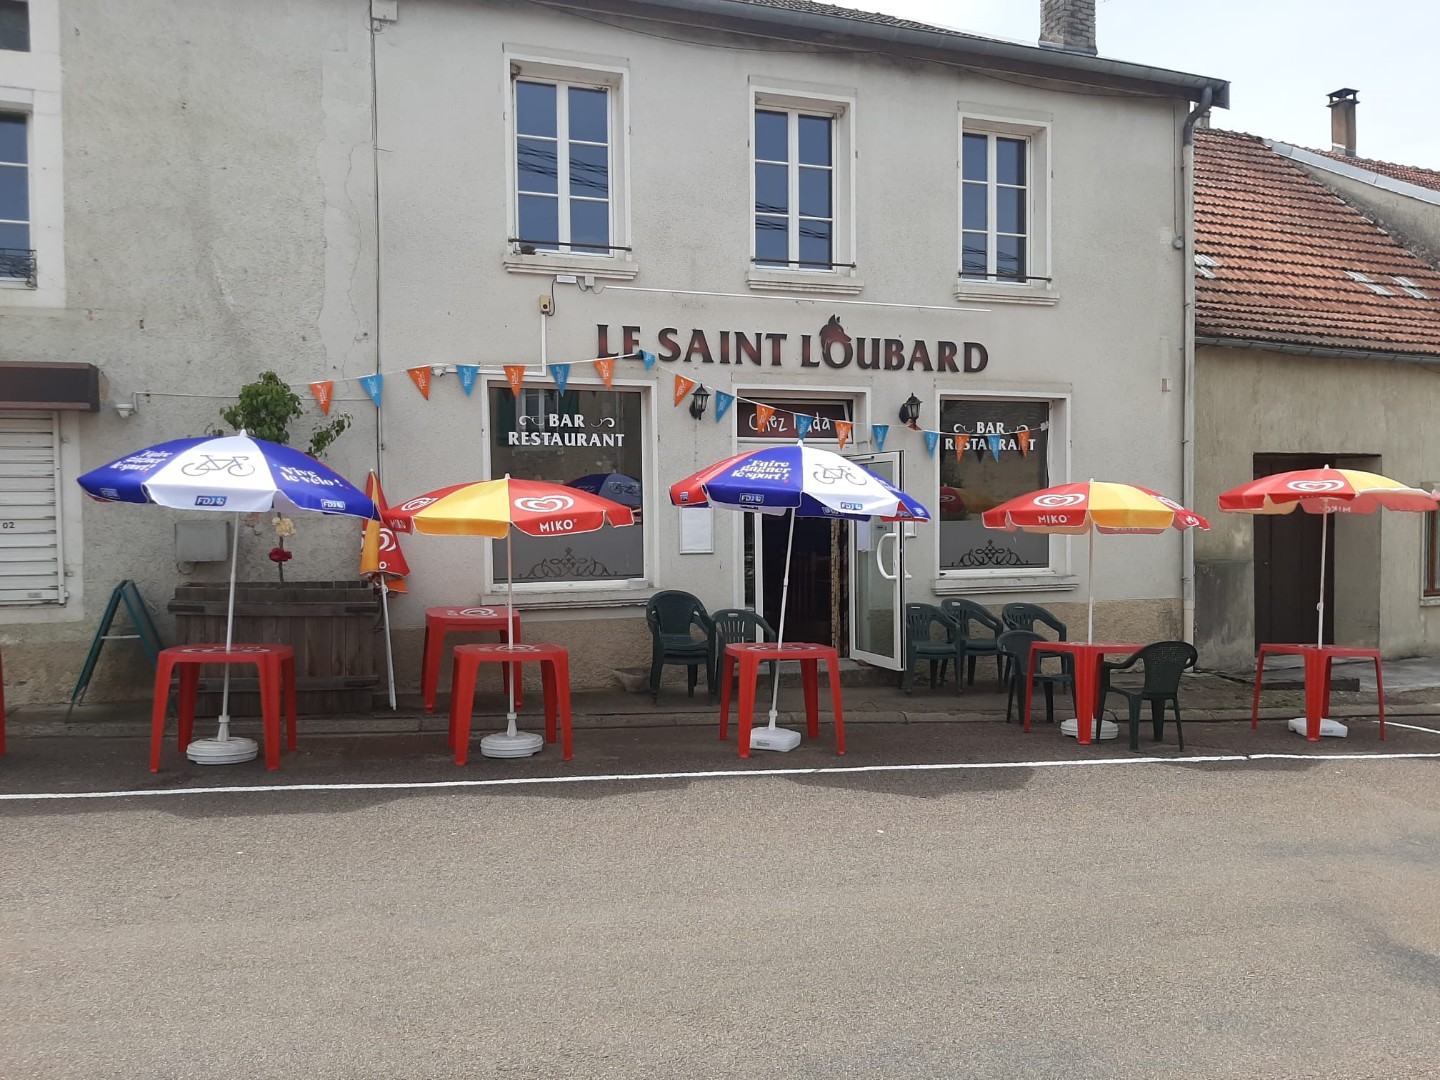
1244	917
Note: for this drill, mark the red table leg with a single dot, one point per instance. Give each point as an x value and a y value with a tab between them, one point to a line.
1259	674
185	705
287	674
729	668
810	679
561	675
462	704
1380	690
1315	680
1029	685
548	691
430	666
161	702
835	705
749	673
270	694
1085	688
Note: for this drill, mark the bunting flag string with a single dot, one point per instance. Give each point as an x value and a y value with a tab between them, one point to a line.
468	374
420	376
515	374
606	368
932	440
803	424
763	414
324	395
961	442
374	385
723	401
993	441
683	386
843	428
561	374
877	435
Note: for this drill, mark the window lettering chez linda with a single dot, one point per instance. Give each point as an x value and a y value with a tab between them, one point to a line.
976	480
587	439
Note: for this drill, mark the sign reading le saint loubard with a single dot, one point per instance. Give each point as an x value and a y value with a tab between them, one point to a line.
831	347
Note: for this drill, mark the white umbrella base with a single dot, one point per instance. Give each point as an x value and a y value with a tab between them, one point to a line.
230	751
774	738
504	745
1327	727
1099	729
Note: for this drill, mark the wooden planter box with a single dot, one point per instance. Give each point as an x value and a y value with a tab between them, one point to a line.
334	627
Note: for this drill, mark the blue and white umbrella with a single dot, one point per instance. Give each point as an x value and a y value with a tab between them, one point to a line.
617	487
803	481
235	474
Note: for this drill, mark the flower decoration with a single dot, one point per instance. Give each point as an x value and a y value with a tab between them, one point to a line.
278	555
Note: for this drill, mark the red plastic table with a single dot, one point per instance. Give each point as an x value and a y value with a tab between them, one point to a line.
440	621
554	661
1318	659
276	665
1088	655
750	655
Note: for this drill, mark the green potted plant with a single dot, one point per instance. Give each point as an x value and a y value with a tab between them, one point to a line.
330	624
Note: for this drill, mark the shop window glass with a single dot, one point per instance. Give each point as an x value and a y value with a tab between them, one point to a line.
586	438
1432	554
976	481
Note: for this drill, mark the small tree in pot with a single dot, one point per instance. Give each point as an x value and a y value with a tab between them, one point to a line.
265	408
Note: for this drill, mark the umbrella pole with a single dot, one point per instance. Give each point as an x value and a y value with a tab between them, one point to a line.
780	633
1320	607
389	651
510	630
223	735
1090	588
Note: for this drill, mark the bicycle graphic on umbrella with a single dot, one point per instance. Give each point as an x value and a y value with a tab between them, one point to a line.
234	465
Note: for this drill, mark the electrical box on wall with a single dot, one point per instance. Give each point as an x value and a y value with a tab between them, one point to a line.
202	541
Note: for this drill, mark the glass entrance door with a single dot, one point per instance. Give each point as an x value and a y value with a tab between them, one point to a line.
877	573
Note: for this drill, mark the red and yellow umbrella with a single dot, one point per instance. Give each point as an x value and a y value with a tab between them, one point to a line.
1326	491
1092	507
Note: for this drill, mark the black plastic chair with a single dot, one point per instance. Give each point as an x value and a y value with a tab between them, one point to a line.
920	644
1016	646
671	615
1163	662
1028	617
980	640
729	626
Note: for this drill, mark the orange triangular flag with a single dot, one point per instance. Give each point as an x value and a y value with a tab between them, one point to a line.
421	377
606	368
324	394
843	428
516	374
1023	437
683	386
763	413
961	443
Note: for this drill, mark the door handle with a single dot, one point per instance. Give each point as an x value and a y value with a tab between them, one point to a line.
880	555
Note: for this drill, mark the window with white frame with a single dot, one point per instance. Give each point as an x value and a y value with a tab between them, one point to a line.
995	207
592	440
14	25
1430	577
16	254
794	189
974	477
566	190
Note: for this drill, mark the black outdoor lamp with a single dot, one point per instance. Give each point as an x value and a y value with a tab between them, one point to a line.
910	411
698	400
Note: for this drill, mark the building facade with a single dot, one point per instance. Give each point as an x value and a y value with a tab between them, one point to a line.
823	218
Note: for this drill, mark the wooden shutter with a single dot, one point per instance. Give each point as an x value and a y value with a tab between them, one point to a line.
30	567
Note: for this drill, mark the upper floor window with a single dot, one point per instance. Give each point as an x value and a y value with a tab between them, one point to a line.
15	25
1431	577
17	259
563	168
794	190
995	207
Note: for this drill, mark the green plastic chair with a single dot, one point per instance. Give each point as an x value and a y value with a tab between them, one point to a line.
732	625
1163	663
1016	645
671	616
920	644
980	640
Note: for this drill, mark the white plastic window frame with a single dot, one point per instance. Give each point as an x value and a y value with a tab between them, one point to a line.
1035	129
840	280
598	73
30	84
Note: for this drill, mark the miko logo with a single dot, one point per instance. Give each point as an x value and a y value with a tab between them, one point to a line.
332	504
1312	486
417	504
210	500
1052	501
545	504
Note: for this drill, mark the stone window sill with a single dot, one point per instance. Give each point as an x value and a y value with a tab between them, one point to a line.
840	283
1040	293
605	269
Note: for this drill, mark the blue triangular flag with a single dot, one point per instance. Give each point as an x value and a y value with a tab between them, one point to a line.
649	358
803	424
468	374
723	401
932	440
993	441
878	433
561	375
373	385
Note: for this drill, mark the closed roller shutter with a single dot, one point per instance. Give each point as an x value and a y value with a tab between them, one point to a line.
30	570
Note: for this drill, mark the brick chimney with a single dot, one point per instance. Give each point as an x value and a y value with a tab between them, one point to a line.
1068	24
1342	121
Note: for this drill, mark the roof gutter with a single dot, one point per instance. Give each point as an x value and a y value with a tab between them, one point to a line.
814	28
1335	353
1187	361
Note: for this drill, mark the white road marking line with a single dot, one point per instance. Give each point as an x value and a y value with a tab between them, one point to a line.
1409	727
959	766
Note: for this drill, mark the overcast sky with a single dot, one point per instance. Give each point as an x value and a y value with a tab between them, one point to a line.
1281	57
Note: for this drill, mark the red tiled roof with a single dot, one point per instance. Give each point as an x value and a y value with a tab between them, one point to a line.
1282	242
1411	174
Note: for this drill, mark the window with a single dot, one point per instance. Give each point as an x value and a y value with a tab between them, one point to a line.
995	207
794	190
563	168
590	439
1431	581
16	256
14	25
976	480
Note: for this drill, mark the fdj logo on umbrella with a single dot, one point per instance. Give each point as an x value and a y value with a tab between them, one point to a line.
332	504
210	500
